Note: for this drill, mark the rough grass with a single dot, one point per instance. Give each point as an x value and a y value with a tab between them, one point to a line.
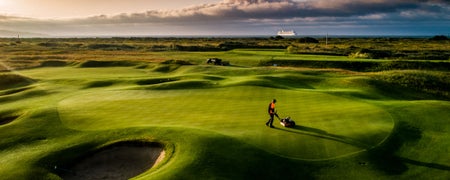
94	63
211	121
54	63
433	82
360	65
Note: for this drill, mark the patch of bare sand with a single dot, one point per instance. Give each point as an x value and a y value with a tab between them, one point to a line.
116	162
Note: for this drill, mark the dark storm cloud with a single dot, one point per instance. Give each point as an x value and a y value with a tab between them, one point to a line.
236	10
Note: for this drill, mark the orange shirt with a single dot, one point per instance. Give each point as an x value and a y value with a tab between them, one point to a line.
271	108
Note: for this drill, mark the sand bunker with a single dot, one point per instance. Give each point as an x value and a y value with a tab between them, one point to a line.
122	161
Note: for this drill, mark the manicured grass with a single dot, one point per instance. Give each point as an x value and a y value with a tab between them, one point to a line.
211	121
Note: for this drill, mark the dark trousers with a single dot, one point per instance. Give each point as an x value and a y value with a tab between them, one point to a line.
270	122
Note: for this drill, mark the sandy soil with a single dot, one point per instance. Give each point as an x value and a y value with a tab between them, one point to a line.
119	162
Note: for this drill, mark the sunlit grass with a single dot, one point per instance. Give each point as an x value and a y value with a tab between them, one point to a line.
350	125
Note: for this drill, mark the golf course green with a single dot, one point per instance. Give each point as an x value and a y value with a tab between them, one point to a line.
239	111
210	121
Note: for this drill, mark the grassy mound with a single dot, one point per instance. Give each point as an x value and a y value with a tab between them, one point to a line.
97	84
153	81
14	90
166	68
53	63
431	82
361	65
94	64
11	80
170	65
179	62
183	84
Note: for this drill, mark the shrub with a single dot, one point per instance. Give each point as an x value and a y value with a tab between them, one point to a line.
111	46
194	48
371	54
292	49
276	38
48	44
359	55
308	40
439	38
231	45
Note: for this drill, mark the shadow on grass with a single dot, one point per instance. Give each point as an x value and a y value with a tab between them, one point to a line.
309	131
430	165
394	90
7	119
383	157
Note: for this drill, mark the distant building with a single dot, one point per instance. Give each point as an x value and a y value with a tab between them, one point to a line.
286	33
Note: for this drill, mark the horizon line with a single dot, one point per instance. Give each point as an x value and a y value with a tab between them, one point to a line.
219	36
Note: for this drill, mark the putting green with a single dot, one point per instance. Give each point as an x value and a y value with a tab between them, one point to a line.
328	126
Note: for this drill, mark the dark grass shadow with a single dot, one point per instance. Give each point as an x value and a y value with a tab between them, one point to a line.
309	129
291	82
153	81
100	64
15	90
393	90
425	164
98	84
7	119
384	157
314	132
53	63
11	80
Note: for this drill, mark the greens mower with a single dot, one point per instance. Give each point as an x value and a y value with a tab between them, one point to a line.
287	122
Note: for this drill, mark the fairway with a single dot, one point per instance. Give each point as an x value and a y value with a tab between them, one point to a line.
329	126
169	115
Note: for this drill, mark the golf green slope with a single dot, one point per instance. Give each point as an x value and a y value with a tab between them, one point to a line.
329	126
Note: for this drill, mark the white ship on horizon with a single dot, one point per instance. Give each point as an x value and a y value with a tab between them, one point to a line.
286	33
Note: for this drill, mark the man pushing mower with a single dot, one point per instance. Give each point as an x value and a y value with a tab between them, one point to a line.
286	122
272	113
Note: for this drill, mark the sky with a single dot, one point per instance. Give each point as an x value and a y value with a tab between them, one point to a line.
59	18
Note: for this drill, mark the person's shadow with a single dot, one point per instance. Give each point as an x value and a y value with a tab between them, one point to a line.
309	129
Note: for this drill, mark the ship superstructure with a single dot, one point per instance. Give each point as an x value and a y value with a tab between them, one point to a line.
286	33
